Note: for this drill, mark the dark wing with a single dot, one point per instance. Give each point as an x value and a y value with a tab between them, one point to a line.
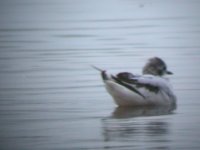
149	83
126	77
148	86
120	80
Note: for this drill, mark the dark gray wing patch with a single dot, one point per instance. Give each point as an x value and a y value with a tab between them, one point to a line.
149	87
117	80
132	79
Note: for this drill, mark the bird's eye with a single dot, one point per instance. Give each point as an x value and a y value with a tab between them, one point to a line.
160	72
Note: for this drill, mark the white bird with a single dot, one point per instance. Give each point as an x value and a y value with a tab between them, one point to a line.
151	88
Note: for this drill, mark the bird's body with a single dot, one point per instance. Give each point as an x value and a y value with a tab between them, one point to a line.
151	88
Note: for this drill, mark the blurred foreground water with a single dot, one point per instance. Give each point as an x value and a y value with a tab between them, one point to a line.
51	98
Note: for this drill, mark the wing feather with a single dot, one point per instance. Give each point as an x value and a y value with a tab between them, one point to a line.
149	82
119	81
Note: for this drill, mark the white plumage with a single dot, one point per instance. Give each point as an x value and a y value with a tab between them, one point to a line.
151	88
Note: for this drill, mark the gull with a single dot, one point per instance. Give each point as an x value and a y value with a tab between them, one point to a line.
150	88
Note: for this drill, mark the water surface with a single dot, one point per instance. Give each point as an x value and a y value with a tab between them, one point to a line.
51	98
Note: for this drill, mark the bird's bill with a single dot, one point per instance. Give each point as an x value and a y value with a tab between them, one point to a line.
169	72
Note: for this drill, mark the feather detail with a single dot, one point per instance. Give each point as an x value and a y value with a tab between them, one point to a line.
127	86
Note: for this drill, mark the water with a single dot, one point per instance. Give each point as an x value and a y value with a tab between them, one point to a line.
51	98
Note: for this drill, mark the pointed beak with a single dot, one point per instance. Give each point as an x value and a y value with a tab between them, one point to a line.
169	72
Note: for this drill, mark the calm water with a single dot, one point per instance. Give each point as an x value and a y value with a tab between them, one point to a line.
51	98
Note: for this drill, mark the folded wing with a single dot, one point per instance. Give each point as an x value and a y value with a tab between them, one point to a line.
149	82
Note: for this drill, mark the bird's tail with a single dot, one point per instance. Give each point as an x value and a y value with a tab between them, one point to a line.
103	72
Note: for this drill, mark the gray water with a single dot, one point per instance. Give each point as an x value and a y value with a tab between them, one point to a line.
51	98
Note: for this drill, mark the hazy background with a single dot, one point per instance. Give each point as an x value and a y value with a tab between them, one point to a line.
51	98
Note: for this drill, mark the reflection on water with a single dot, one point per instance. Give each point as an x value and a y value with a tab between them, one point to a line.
126	124
133	130
127	112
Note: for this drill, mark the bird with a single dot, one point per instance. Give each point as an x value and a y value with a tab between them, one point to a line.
151	88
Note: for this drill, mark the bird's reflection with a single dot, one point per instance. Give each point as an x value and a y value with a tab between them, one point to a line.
128	112
131	123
